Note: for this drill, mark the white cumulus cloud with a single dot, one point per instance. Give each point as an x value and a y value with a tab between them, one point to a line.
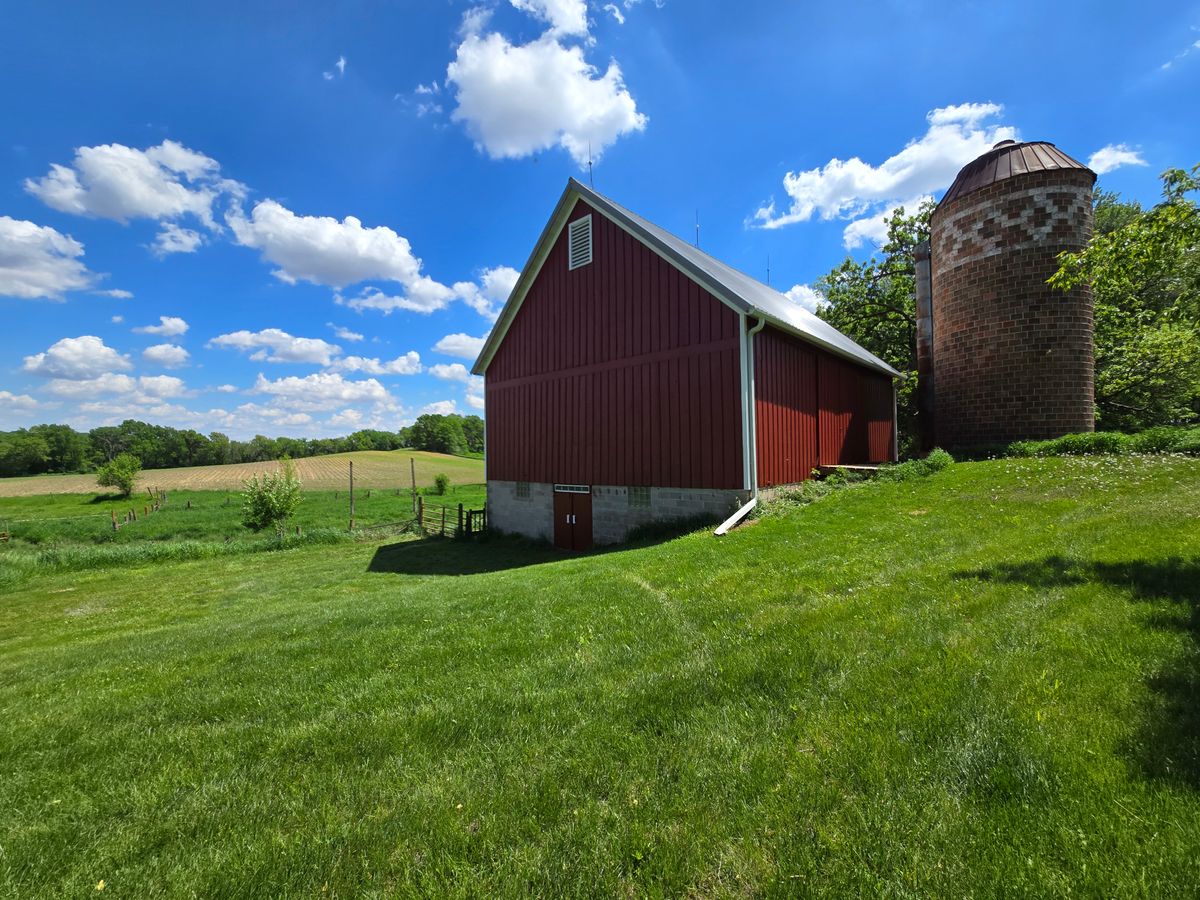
1113	156
277	346
76	358
462	345
345	333
171	238
565	17
451	372
117	293
488	296
425	296
322	249
11	401
321	391
854	189
168	326
441	408
145	388
518	99
169	356
805	296
38	262
408	364
112	181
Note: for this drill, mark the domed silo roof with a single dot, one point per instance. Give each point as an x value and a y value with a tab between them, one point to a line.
1006	160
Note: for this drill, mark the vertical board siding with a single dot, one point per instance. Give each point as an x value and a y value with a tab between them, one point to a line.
785	408
812	408
855	421
623	371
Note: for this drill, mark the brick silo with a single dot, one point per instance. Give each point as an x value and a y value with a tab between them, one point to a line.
1012	357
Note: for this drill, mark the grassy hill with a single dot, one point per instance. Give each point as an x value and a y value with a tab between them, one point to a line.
372	469
982	682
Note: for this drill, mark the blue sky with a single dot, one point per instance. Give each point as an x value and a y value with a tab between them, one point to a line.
291	218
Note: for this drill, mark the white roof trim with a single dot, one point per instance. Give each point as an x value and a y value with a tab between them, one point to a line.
736	289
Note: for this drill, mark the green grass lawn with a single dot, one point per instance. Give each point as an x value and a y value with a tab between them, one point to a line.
981	683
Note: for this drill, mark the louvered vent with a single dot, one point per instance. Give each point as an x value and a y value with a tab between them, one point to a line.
579	243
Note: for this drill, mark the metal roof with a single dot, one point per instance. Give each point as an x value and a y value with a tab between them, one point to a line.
1006	160
746	294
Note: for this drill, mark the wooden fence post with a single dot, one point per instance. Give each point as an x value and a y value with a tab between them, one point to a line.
420	513
458	531
443	521
114	518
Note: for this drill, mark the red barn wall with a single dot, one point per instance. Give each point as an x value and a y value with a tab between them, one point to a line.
623	371
813	408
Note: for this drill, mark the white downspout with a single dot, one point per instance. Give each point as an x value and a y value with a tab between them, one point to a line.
749	444
753	433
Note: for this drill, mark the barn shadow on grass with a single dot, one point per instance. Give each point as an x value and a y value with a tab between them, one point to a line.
499	553
1168	744
447	556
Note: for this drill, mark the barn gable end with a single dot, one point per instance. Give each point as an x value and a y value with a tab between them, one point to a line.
620	372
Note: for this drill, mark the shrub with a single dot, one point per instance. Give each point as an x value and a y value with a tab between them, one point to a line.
121	472
937	460
269	501
441	484
1163	439
1189	442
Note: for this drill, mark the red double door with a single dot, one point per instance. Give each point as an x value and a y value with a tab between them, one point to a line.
573	519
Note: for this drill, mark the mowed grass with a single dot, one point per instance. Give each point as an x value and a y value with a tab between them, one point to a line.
982	683
372	469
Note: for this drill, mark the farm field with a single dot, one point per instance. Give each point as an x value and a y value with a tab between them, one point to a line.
372	469
41	520
981	682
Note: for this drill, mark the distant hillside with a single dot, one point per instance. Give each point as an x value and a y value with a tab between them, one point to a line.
372	469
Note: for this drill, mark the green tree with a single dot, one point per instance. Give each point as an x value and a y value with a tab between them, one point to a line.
874	302
438	434
268	501
1144	268
68	449
121	472
472	427
23	452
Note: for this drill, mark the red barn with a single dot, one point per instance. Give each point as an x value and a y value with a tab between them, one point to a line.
632	378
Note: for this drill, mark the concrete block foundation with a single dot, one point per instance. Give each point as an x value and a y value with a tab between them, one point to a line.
529	509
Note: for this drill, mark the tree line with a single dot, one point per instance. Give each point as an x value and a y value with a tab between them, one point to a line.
60	448
1144	269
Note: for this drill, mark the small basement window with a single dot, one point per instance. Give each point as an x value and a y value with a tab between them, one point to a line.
522	490
579	243
639	496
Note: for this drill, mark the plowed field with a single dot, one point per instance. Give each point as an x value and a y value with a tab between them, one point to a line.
372	469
